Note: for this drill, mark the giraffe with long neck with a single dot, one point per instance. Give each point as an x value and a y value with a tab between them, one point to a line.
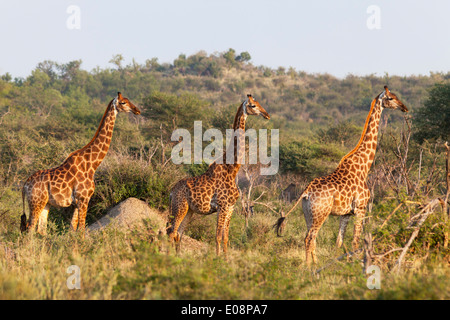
215	190
344	192
72	183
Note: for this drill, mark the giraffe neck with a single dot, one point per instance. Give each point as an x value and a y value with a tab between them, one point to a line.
95	151
364	152
238	139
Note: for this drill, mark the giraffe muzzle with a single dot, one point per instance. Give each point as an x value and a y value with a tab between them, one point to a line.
265	115
135	110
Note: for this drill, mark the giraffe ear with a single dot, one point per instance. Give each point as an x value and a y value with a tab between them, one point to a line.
119	95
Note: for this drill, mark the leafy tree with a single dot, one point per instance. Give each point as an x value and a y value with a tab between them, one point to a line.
267	72
281	71
309	158
244	57
230	57
180	63
152	64
48	67
7	77
175	111
344	133
433	119
117	60
38	95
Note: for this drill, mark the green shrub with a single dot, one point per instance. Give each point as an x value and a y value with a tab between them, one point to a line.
123	177
309	158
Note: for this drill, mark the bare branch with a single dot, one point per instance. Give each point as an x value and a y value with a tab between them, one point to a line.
390	215
266	205
3	115
386	253
425	212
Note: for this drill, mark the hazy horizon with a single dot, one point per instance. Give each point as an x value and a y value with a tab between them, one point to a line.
352	37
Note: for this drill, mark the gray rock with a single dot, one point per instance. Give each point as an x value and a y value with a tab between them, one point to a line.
128	213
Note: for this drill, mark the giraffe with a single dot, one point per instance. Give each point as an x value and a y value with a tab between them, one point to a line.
215	190
344	192
72	183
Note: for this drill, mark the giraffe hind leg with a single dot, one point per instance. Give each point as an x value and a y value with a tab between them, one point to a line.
181	229
35	213
315	217
223	222
178	214
342	228
42	220
308	214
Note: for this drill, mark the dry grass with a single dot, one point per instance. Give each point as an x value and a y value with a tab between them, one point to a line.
121	262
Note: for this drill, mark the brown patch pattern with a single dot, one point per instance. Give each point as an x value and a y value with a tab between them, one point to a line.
344	192
213	191
72	183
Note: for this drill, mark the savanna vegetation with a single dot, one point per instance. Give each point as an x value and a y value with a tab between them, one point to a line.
57	109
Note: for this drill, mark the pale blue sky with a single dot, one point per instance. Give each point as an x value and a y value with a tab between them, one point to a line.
314	36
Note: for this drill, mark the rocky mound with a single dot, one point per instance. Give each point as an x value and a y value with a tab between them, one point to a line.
129	213
132	212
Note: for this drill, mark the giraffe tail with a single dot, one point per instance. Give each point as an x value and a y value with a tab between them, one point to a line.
280	225
281	222
23	217
168	224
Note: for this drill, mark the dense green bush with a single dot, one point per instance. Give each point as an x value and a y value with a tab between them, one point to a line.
123	176
175	111
432	120
309	158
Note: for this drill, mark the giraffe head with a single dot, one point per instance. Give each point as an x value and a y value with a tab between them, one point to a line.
389	100
122	104
252	107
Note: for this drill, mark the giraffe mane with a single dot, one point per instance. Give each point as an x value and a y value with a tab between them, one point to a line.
239	113
96	133
372	106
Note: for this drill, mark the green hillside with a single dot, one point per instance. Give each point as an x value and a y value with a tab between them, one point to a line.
57	109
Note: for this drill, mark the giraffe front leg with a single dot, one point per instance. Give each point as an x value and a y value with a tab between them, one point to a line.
82	211
83	194
221	218
229	212
360	212
359	218
74	222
